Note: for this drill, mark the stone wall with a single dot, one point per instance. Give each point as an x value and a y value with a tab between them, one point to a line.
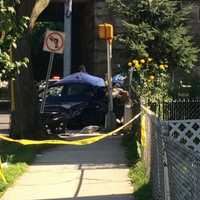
195	30
93	50
195	19
87	28
103	15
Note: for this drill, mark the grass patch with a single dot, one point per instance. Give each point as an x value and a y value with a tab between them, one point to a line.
17	157
129	142
11	173
140	181
137	174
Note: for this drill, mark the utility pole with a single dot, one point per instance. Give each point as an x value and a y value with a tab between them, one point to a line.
67	30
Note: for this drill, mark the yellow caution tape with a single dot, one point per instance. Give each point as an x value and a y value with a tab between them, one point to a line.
1	172
143	131
76	142
144	125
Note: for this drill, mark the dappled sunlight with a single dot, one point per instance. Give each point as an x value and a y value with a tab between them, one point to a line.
76	184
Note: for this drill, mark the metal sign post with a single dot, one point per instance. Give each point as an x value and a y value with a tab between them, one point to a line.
44	96
53	43
106	33
110	117
109	57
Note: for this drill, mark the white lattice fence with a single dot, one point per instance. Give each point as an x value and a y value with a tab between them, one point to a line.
186	132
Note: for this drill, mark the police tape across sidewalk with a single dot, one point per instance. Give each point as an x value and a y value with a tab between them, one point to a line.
1	173
75	142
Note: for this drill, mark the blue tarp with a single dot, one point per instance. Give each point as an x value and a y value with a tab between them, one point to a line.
119	79
82	77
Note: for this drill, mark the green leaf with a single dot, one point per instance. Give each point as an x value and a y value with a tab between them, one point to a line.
11	9
14	45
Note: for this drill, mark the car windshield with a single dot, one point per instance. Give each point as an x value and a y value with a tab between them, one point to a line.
72	91
53	91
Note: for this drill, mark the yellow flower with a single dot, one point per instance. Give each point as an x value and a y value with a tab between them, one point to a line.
152	77
142	61
130	64
135	62
138	66
150	59
162	67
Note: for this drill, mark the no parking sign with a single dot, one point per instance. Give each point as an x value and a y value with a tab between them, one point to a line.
54	42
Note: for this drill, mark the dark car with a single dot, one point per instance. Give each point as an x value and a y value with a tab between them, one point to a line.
73	104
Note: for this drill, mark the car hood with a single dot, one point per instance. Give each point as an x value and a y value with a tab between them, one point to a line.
63	107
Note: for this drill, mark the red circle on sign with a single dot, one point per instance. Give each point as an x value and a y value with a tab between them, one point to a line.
60	36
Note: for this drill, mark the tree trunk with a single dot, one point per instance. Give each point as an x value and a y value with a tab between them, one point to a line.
25	117
26	114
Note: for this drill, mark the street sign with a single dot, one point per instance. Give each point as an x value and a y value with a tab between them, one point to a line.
54	42
106	31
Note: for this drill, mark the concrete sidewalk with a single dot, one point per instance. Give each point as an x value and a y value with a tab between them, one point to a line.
92	172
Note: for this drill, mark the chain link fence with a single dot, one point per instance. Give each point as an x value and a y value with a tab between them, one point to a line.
174	170
181	109
177	109
152	152
184	171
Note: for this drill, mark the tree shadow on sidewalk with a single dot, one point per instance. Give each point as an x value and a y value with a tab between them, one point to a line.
104	197
105	152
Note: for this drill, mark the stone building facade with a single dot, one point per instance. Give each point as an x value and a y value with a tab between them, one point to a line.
88	49
86	46
195	30
102	14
